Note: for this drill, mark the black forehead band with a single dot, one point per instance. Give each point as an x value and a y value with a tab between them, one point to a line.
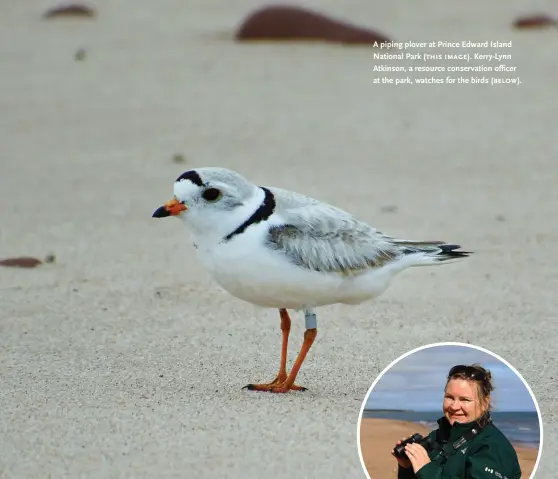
192	176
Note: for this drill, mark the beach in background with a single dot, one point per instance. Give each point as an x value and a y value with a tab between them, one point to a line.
122	358
520	427
379	436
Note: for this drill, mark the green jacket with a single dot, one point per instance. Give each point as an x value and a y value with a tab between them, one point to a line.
488	455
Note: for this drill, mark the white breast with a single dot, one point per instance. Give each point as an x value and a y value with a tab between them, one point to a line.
252	272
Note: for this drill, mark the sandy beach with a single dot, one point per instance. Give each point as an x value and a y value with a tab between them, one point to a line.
123	359
378	436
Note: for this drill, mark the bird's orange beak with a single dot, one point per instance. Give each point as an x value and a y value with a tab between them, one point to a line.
170	208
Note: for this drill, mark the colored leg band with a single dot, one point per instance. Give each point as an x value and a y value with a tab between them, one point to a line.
310	321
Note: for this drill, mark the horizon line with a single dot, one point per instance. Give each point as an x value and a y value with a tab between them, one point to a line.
439	411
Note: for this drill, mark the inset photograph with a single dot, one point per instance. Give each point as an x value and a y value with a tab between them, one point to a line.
450	410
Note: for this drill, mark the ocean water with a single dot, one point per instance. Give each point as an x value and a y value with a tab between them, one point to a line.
521	428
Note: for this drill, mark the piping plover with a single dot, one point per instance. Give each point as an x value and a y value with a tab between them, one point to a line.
279	249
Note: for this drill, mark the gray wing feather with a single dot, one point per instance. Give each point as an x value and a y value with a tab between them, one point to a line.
320	237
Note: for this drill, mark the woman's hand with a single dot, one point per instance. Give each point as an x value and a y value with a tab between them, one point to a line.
417	455
404	463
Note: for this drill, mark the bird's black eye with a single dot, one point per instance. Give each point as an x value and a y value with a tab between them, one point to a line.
211	194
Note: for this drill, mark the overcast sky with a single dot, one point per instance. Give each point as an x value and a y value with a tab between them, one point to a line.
417	381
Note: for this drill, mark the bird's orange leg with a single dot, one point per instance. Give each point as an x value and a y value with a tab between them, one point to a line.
282	375
288	384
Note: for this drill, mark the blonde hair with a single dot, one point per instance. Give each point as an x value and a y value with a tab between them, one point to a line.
481	377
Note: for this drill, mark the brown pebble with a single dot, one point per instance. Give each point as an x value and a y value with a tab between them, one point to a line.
21	262
535	21
296	23
70	10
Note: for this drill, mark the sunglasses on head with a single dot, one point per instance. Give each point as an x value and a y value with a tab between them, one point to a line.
469	371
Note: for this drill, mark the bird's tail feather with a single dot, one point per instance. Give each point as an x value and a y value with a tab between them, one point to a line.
432	252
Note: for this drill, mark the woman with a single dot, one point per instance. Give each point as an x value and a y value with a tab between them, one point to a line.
466	445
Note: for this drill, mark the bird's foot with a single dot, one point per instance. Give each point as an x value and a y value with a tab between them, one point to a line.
278	385
270	388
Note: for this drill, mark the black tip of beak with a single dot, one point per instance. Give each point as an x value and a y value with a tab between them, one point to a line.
160	213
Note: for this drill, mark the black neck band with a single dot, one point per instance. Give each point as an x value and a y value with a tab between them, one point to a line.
264	211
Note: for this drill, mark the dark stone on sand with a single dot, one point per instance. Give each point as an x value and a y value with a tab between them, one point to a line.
73	10
535	21
80	54
296	23
178	158
389	209
21	262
